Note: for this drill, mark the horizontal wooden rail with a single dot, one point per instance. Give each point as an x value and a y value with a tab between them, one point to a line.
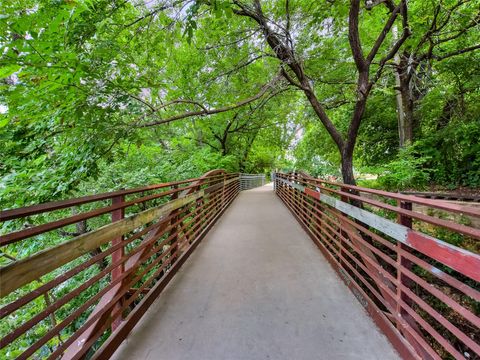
421	290
40	229
443	205
62	204
61	299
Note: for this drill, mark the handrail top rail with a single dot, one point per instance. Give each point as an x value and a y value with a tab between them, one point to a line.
439	204
15	213
81	244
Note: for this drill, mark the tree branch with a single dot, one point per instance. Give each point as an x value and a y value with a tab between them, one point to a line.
286	55
354	36
205	111
386	29
456	52
291	80
370	4
460	32
398	44
156	11
237	67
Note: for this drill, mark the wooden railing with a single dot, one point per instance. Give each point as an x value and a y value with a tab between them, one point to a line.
81	272
423	292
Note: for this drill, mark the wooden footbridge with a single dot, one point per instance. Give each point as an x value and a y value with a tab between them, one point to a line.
107	275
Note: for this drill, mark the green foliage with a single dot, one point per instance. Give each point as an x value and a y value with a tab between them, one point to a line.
453	154
450	126
315	152
406	171
378	138
78	77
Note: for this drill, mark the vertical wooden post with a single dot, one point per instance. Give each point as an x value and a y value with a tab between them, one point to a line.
404	219
223	191
402	262
117	254
294	194
341	229
175	245
344	235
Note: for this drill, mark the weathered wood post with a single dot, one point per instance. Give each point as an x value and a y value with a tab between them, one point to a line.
402	262
117	255
173	220
402	280
344	231
223	190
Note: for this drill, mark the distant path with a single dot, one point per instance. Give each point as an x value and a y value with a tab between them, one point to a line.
256	288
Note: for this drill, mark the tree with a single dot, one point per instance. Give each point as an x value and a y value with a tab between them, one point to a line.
278	35
448	32
83	82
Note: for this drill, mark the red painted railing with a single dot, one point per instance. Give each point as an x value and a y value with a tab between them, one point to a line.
78	282
83	271
391	251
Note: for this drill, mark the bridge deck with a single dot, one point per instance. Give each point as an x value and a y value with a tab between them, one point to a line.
256	288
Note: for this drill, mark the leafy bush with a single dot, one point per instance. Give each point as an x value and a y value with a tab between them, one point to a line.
454	153
408	170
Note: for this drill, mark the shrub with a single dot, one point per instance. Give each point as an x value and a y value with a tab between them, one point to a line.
408	170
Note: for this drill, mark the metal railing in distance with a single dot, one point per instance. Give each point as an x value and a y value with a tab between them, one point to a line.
423	292
250	181
82	279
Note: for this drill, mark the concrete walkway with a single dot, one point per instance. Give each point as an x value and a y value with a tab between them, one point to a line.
256	288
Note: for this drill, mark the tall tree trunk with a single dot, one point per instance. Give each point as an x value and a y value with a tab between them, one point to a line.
407	96
399	93
408	109
224	148
405	100
400	105
246	152
347	169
